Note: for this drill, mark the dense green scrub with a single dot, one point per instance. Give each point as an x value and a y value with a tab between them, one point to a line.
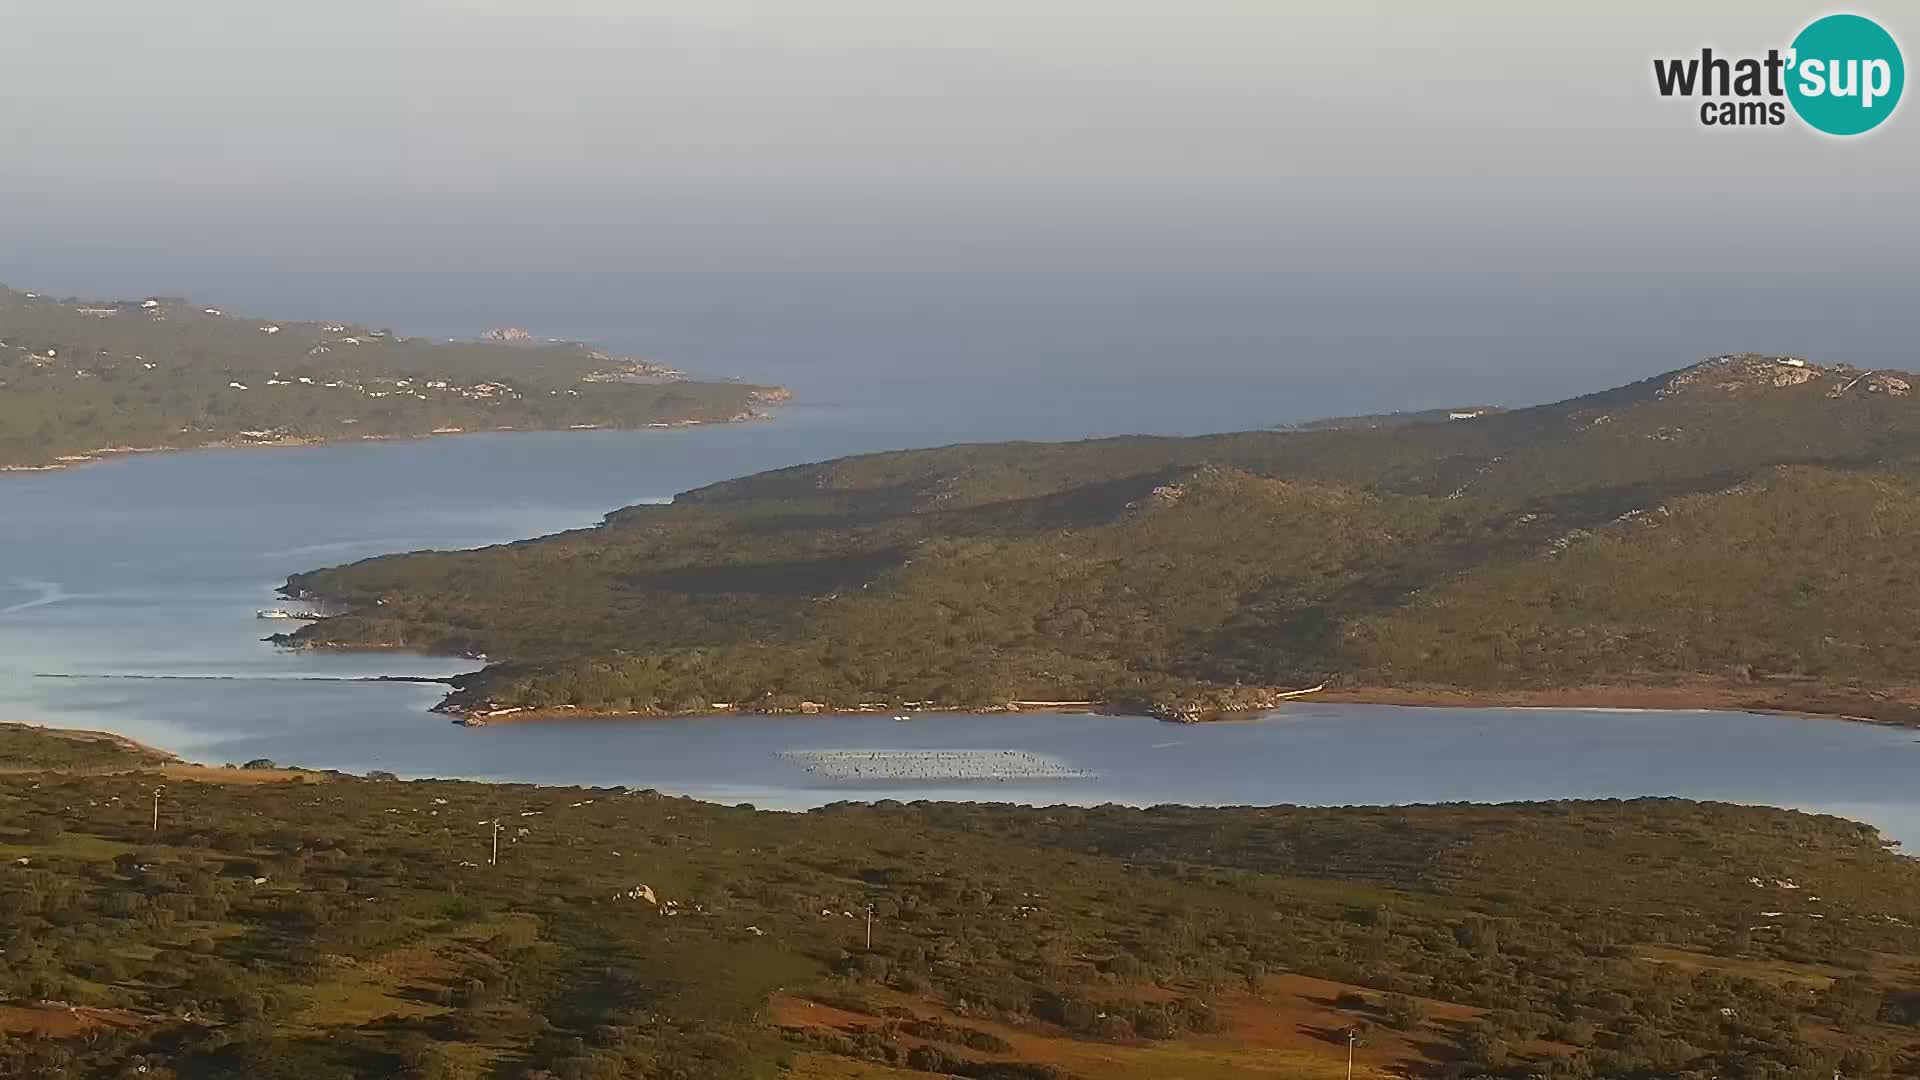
78	377
332	927
1745	520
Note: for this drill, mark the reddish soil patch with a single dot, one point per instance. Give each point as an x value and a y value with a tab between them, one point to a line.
1293	1013
62	1021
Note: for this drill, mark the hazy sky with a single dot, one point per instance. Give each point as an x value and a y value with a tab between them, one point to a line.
1492	190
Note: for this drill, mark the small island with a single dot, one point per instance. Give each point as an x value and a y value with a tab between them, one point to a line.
82	379
1733	534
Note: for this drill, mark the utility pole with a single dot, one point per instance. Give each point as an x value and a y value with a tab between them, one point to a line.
1352	1036
494	859
869	927
156	811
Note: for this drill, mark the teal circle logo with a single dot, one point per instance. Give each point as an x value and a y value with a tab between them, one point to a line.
1846	75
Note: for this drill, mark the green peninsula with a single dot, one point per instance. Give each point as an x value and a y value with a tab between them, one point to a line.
82	378
1735	533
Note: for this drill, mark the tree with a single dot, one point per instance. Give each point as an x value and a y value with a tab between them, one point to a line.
1483	1046
1403	1012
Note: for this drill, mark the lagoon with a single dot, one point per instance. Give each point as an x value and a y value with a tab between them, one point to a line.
154	566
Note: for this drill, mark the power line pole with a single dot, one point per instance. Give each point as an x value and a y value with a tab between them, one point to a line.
869	927
156	811
1351	1037
494	859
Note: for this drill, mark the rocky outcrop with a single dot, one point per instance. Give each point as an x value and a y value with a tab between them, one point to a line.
1743	371
1225	702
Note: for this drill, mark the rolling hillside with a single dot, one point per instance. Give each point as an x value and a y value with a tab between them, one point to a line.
272	923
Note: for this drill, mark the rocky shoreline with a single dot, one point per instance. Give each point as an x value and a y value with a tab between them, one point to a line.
486	713
469	706
1895	706
1901	709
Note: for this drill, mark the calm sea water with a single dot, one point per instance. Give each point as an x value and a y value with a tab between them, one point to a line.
154	567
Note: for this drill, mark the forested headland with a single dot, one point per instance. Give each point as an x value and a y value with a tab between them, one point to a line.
79	378
1735	533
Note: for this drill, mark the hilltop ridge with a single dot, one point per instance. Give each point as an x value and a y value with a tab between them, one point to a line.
1750	371
1735	530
